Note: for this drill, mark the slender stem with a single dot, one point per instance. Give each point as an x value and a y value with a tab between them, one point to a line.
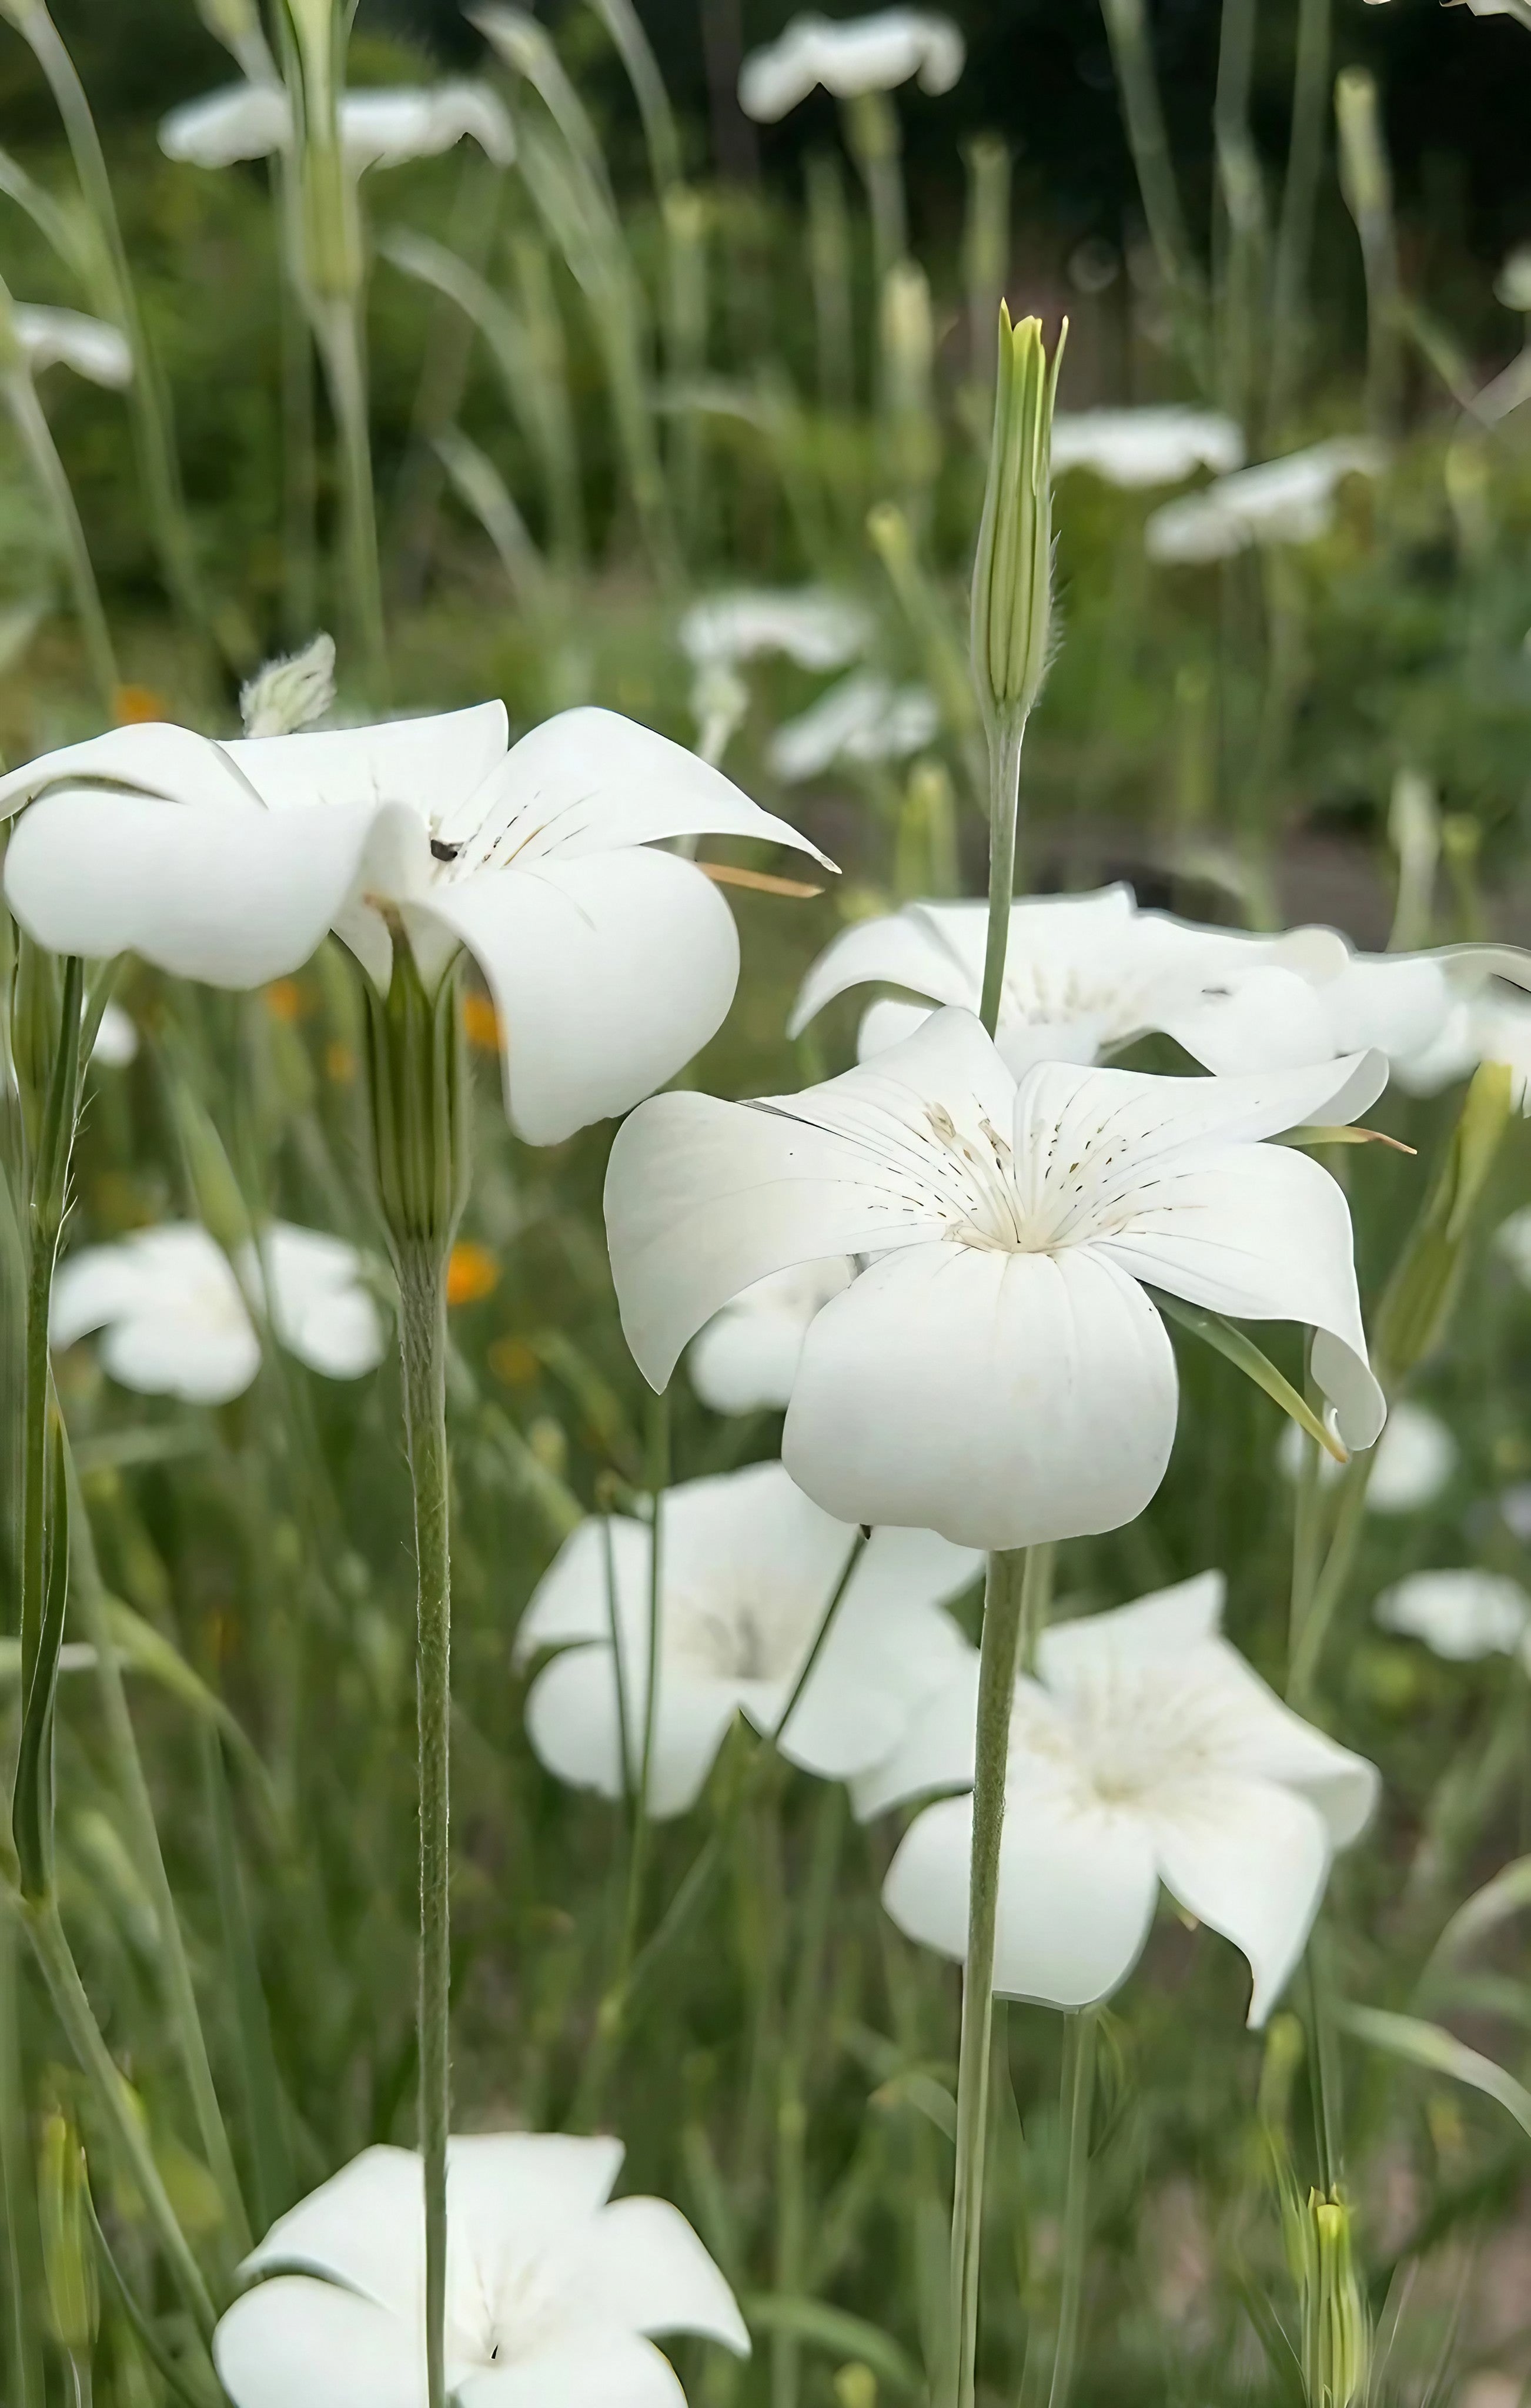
50	1191
1011	1599
25	2353
1308	1640
1299	197
792	2200
1078	2083
338	327
423	1317
298	448
73	2009
38	442
1004	742
1131	56
659	1468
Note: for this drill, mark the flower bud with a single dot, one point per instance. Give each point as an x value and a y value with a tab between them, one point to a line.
1012	576
415	1081
1422	1289
289	693
1336	2328
68	2254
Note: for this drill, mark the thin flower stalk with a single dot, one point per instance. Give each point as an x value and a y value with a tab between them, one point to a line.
1290	328
36	440
1080	2033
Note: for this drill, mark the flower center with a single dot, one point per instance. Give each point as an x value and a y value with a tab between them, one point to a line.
751	1634
501	2314
1125	1733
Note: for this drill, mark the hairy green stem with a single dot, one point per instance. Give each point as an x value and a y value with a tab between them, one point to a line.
1014	1600
1004	742
1080	2032
423	1318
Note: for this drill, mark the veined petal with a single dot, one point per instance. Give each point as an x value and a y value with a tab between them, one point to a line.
1000	1398
364	2227
703	1198
593	2370
1250	1858
608	972
1077	1891
233	897
294	2342
590	781
641	2266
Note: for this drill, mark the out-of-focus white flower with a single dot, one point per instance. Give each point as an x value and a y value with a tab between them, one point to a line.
177	1314
865	718
749	1567
850	56
87	345
813	626
1086	974
116	1039
1145	1751
552	2289
1460	1615
1512	285
381	128
746	1359
1415	1457
1492	1026
997	1371
610	962
1512	1239
1146	447
1291	500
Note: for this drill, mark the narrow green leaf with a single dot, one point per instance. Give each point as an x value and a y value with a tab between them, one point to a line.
1439	2052
840	2335
1232	1342
1507	1894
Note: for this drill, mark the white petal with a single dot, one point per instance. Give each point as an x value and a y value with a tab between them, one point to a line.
87	345
243	121
932	951
891	1646
1416	1457
570	1600
91	1288
608	972
150	757
571	1720
599	2370
432	763
365	2227
1249	1859
1462	1615
1265	1018
233	897
116	1039
161	1358
641	2266
1000	1398
936	1752
1251	1731
1134	448
1076	1890
849	57
703	1198
815	627
318	1309
386	128
889	1022
746	1358
590	781
1165	1623
511	2194
293	2342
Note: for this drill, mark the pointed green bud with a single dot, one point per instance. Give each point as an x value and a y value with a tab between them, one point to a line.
415	1085
1421	1291
1012	576
69	2253
1336	2326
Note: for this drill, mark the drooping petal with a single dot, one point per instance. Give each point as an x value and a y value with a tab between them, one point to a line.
1250	1859
294	2343
641	2266
511	2194
1076	1890
593	2371
1000	1398
932	949
233	897
608	973
148	757
590	781
364	2227
703	1198
572	1722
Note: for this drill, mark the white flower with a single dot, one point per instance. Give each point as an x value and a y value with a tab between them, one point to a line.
116	1039
865	718
552	2291
1291	500
1086	974
1479	1027
87	345
997	1373
813	626
1416	1457
748	1568
177	1314
610	963
1145	1751
1146	447
746	1359
1460	1615
1512	1239
381	128
849	57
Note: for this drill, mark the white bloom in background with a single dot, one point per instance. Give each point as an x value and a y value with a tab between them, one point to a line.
1291	500
1087	974
746	1359
865	718
1145	1751
1488	1026
1512	285
1146	447
552	2288
850	56
1512	1239
87	345
1460	1615
177	1315
997	1373
116	1039
1416	1457
610	963
381	128
748	1568
816	628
